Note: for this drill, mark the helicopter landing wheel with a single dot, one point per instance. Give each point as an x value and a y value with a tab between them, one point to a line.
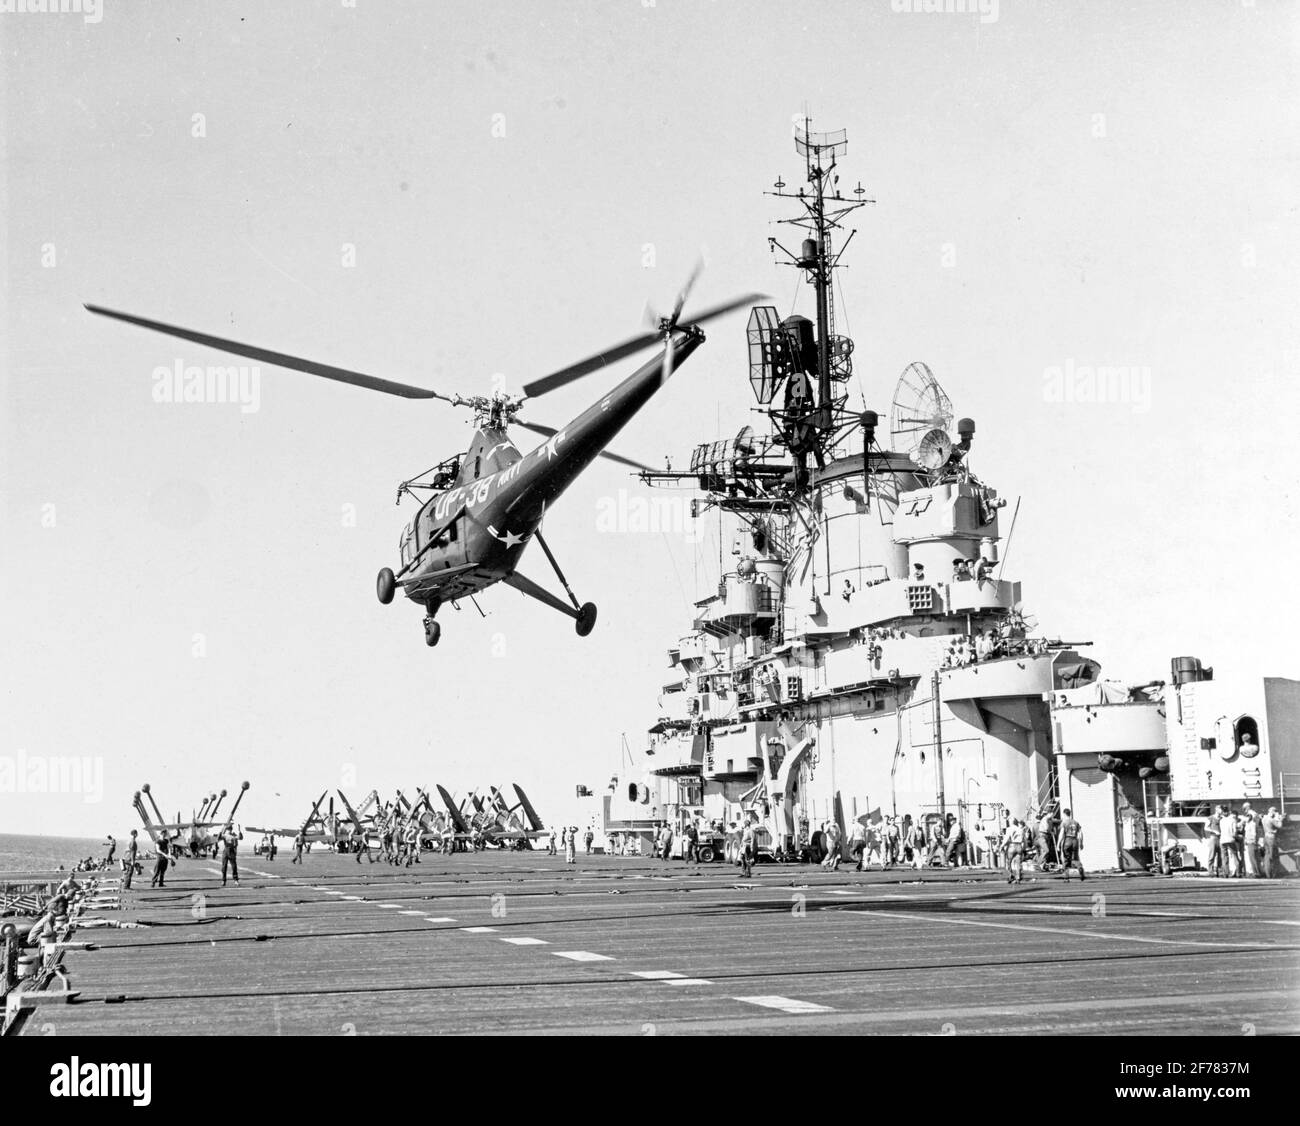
586	620
386	585
432	632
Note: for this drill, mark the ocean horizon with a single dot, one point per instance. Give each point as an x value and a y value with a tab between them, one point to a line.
37	853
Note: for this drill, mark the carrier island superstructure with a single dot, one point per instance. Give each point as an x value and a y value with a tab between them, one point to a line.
865	653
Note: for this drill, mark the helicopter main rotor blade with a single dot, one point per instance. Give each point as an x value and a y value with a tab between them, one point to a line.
280	359
627	348
549	432
686	291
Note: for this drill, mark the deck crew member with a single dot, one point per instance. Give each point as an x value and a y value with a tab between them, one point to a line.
364	846
916	841
892	842
747	847
692	852
160	863
1250	835
857	844
112	851
1015	852
1213	850
832	860
44	929
587	838
1272	825
1069	844
1227	838
960	570
1043	841
571	845
298	842
132	850
229	854
412	840
953	842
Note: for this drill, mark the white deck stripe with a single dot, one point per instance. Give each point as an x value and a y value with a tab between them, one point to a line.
656	975
479	930
785	1004
526	941
582	956
686	981
443	919
1077	933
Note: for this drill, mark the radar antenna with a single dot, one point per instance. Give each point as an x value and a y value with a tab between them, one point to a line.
920	417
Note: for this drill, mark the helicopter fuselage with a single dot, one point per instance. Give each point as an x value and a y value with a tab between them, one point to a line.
472	534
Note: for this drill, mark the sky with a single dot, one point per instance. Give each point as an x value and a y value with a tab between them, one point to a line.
469	195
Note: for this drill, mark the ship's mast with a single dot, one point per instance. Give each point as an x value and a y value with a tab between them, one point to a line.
823	210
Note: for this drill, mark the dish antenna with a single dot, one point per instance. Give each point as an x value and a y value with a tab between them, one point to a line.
920	417
933	451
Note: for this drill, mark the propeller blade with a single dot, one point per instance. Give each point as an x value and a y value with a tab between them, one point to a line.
549	431
627	348
280	359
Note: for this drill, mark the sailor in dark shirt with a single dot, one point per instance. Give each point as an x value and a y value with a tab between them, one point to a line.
229	857
160	864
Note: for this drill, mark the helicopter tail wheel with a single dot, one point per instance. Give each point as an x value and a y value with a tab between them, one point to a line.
432	632
586	620
386	585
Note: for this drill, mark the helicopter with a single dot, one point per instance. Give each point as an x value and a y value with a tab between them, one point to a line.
484	506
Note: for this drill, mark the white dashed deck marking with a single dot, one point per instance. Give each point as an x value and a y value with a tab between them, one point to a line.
389	906
1077	933
442	919
582	956
656	975
686	981
410	912
479	930
785	1004
526	941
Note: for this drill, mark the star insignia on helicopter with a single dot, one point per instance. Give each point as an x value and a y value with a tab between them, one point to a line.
509	539
549	448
